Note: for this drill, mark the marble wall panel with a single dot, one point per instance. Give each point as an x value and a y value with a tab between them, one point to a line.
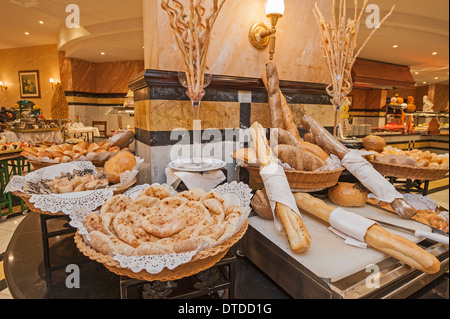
167	115
299	56
109	77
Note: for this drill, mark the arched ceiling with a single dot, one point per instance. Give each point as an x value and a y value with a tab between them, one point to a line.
417	27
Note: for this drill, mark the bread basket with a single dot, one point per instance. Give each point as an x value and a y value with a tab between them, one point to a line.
303	180
26	198
199	262
409	172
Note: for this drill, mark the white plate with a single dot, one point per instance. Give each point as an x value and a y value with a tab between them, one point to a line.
184	164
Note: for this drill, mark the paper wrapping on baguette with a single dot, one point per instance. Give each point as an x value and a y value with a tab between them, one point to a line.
276	184
376	183
352	225
376	237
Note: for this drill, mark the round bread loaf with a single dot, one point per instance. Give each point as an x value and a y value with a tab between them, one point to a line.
348	195
120	163
261	205
374	143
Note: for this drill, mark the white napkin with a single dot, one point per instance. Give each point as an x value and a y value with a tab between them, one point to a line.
369	177
350	226
278	190
204	180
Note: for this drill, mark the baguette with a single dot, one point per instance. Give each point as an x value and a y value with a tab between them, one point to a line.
280	136
296	232
377	237
297	235
271	81
331	145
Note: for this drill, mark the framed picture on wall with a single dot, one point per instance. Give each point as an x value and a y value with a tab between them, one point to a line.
29	84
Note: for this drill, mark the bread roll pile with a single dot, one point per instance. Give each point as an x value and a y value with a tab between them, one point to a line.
413	158
157	223
68	152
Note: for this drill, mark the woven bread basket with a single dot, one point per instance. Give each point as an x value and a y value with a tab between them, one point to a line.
26	198
409	172
201	261
303	180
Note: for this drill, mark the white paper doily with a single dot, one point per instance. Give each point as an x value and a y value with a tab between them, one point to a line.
236	194
55	203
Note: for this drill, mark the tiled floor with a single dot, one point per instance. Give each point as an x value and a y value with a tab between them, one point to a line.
8	227
6	231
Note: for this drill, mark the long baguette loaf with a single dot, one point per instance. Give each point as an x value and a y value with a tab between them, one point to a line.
272	83
281	112
296	232
331	145
377	237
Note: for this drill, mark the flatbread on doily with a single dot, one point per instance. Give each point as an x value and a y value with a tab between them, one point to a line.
157	223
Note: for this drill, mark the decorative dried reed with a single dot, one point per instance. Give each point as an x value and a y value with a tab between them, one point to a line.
339	37
193	34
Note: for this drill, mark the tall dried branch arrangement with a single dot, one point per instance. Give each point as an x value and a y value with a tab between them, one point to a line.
339	42
192	31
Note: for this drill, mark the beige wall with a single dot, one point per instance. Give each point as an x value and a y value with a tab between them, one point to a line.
298	57
43	58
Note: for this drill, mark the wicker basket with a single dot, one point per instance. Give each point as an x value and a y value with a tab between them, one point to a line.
304	180
39	165
201	261
26	198
409	172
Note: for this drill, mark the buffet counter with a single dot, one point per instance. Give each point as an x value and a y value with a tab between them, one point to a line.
335	270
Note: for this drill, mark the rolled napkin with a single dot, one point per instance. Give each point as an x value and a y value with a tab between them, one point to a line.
204	180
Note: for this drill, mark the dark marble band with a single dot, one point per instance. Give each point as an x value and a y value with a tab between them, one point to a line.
184	137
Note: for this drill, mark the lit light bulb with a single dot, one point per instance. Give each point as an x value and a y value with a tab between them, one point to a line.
275	7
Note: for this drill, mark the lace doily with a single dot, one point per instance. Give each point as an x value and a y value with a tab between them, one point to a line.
17	182
236	194
65	203
55	203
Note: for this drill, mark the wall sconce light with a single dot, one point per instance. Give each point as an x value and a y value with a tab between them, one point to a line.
3	87
260	35
52	82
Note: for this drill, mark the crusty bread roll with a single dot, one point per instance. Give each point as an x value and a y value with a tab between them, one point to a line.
120	163
312	162
291	155
314	149
122	138
261	205
348	195
374	143
93	147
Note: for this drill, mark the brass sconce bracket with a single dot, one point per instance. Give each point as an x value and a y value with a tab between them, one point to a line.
3	87
261	36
